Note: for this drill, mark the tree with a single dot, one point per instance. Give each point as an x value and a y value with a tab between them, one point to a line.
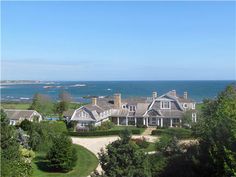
216	132
42	103
25	125
63	104
168	145
62	155
14	163
124	158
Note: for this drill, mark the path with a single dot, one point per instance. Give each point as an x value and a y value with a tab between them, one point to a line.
148	130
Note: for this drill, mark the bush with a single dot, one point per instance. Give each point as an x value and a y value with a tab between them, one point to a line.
41	134
141	126
102	132
62	156
105	125
25	125
180	133
141	142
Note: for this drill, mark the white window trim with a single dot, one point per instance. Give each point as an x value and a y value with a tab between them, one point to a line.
161	105
185	105
193	106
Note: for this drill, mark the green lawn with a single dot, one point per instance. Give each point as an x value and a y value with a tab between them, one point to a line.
151	147
13	105
199	106
86	163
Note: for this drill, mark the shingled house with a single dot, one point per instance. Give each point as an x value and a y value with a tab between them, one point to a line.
16	116
165	110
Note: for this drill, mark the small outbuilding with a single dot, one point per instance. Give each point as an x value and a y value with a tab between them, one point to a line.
17	116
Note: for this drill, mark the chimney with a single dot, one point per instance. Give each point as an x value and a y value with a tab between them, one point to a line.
117	100
173	93
186	95
94	101
154	95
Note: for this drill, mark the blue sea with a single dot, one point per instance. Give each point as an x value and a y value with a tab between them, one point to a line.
197	90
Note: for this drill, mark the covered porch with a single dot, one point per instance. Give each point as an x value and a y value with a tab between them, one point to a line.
148	121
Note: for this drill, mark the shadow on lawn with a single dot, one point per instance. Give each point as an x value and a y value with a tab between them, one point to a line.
43	165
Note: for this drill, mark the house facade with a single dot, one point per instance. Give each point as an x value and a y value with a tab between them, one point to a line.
165	111
17	116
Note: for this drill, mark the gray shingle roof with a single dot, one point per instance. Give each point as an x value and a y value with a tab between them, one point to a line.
17	114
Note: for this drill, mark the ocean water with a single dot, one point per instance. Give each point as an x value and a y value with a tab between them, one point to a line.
197	90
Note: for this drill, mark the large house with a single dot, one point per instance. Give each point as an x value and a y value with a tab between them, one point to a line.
17	116
165	111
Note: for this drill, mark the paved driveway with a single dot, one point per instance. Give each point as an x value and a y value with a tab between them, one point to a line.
97	143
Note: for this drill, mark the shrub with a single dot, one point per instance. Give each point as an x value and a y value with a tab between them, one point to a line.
25	125
62	155
102	132
141	142
141	126
180	133
106	125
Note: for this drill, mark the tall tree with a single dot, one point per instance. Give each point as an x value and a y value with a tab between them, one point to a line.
63	104
42	103
216	132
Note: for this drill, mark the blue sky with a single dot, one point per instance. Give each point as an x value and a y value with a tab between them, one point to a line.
118	40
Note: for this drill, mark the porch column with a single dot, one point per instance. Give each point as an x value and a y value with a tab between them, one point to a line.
135	121
158	122
180	122
118	121
143	121
147	121
161	122
171	122
126	121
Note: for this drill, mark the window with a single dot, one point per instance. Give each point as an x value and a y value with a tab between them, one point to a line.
165	104
132	108
193	106
185	105
194	117
123	106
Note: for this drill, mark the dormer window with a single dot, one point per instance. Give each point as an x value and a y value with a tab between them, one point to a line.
165	104
132	108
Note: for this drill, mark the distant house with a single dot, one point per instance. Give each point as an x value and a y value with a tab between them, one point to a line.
17	116
165	111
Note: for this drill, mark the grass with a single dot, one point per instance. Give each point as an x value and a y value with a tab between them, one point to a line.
151	147
86	163
14	105
180	133
199	106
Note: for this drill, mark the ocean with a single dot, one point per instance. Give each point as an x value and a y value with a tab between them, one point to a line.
197	90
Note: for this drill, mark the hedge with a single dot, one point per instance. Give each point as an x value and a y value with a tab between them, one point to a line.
103	132
180	133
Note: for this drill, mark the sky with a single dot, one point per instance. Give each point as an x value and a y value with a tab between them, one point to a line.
118	40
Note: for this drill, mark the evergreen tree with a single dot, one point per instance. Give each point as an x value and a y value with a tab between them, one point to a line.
13	164
62	155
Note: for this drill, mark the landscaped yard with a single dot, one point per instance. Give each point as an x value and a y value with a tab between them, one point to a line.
86	163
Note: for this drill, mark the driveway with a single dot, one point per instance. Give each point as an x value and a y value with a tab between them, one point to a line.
95	144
